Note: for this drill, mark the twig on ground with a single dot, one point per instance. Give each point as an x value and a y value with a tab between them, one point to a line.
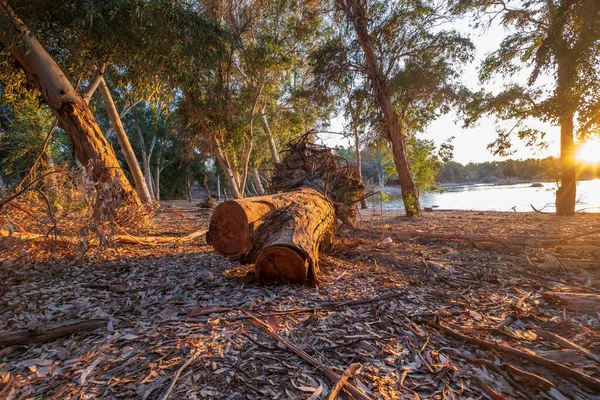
511	317
332	376
504	369
190	360
563	370
349	372
567	343
489	391
44	334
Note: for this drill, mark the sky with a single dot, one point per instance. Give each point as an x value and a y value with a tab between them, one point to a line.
470	145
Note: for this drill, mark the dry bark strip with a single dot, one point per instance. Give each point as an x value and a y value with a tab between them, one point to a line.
203	311
567	343
121	239
328	372
351	370
489	391
50	333
561	369
505	369
574	301
510	318
190	360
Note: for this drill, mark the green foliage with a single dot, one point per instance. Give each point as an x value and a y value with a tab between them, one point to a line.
424	162
546	169
378	164
24	126
554	38
156	45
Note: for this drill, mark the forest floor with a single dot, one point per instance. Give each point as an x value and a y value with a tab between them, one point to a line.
179	321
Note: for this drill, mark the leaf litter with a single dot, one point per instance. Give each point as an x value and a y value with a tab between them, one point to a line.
420	309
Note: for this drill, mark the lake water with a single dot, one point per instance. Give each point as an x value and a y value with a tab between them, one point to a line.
490	197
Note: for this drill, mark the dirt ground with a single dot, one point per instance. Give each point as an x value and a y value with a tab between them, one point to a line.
406	299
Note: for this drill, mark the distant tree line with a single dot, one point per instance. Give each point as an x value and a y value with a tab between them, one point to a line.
432	169
531	169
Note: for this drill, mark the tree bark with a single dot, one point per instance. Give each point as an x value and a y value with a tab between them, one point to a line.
218	187
157	170
146	157
363	202
249	142
270	140
93	85
566	193
246	162
72	112
226	166
148	169
134	168
281	234
257	183
356	11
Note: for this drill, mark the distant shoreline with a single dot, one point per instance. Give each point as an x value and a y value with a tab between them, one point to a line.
447	185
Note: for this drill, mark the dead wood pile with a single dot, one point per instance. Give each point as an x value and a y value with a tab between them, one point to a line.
282	233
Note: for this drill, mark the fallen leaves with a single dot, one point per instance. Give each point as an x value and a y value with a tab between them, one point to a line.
163	304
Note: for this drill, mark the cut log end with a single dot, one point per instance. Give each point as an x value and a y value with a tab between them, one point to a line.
277	263
280	234
228	232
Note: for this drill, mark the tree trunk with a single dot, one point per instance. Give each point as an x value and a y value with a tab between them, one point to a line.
281	233
226	166
73	114
206	186
126	149
257	183
157	170
93	85
270	140
566	193
363	202
355	9
218	187
246	161
146	157
157	182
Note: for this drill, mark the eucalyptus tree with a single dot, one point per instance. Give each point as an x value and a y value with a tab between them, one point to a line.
151	46
70	109
257	80
389	43
556	39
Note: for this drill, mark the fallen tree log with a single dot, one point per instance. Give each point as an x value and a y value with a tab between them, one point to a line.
281	233
43	334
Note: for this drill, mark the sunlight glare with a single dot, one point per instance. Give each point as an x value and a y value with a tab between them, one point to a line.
589	152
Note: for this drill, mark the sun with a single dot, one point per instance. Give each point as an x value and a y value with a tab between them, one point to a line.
589	152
